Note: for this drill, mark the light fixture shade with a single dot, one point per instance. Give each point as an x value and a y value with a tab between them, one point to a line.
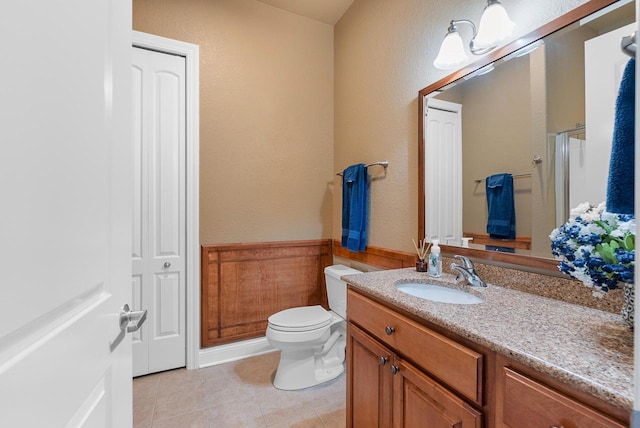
452	53
495	26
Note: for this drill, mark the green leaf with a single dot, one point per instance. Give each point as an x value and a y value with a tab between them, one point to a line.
607	252
603	224
629	242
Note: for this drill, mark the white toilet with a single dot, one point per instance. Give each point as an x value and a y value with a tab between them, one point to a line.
312	339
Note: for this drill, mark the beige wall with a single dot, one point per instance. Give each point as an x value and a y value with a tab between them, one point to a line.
266	116
383	56
274	127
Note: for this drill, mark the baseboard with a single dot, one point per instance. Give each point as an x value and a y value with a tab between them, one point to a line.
234	351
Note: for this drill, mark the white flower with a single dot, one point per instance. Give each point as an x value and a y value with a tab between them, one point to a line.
591	216
591	228
580	209
588	248
582	274
627	226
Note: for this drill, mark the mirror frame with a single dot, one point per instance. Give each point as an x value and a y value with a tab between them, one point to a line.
521	261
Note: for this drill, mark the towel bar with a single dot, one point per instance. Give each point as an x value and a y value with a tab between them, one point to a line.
628	45
480	180
383	164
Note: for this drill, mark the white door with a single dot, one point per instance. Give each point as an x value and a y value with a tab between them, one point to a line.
65	222
443	171
158	282
604	65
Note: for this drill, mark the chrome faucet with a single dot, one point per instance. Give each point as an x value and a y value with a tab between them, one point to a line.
466	272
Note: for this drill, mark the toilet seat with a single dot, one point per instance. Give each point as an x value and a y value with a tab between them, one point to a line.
305	318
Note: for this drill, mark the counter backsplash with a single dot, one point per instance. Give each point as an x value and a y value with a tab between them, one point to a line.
567	290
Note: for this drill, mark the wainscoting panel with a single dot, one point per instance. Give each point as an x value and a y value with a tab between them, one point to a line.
382	258
243	284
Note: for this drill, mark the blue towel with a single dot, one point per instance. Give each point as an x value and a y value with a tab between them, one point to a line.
620	186
501	223
355	207
499	249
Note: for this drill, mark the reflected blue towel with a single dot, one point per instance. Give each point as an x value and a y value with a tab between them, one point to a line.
501	223
355	207
620	186
499	249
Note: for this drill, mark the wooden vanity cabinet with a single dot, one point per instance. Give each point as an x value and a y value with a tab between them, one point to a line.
526	400
401	373
384	389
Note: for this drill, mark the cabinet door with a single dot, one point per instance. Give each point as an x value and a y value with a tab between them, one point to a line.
419	401
527	403
369	381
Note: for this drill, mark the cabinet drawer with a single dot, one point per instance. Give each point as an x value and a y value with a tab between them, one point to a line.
530	404
453	364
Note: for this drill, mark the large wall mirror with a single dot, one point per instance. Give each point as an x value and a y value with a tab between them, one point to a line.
541	109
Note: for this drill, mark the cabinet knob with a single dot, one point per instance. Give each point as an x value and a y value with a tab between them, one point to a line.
556	426
382	360
394	369
390	330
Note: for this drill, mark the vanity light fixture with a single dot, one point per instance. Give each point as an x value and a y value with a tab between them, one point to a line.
495	27
524	50
479	72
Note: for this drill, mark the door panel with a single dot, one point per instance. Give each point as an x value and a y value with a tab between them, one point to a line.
443	171
65	177
159	221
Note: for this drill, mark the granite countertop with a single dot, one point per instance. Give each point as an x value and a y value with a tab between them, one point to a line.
586	348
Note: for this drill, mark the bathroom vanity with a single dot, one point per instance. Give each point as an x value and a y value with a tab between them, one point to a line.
515	360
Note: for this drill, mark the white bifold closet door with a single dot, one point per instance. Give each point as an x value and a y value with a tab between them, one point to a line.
158	282
443	171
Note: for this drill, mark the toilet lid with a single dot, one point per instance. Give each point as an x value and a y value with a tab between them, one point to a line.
300	319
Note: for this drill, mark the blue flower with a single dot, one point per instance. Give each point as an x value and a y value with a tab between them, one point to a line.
591	239
596	247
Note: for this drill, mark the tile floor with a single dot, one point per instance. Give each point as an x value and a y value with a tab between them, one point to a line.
237	394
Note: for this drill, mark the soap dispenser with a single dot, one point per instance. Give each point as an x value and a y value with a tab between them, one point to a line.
435	260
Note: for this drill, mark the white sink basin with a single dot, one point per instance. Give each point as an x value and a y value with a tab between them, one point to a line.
438	293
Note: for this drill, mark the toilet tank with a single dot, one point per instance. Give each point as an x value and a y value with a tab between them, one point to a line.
337	288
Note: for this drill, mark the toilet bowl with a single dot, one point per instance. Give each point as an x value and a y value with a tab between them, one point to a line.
311	339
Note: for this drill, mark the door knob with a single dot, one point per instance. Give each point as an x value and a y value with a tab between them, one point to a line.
166	265
127	316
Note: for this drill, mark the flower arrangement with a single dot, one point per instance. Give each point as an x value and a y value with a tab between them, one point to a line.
596	247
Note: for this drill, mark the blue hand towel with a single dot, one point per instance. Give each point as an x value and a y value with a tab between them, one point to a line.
501	223
620	186
355	207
